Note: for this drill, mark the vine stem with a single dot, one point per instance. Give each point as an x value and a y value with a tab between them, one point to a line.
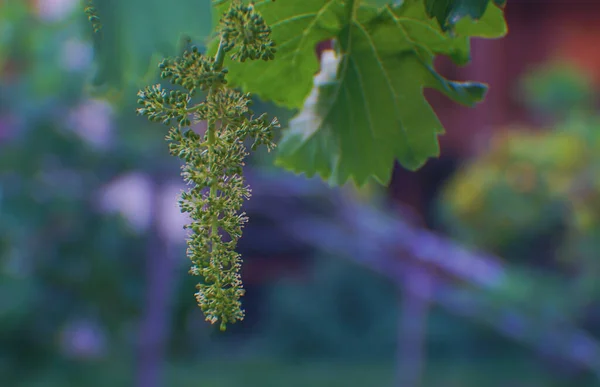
220	55
210	143
211	126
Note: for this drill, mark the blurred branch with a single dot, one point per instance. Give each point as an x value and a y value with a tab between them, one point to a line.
377	240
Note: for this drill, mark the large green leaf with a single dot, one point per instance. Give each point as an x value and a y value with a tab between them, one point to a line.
299	25
137	33
373	111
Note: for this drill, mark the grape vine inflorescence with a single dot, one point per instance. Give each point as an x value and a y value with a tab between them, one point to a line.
213	161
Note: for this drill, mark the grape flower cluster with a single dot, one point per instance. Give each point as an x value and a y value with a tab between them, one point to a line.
213	161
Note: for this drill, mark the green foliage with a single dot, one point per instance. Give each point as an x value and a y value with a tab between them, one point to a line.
365	110
214	160
373	111
384	54
62	258
384	60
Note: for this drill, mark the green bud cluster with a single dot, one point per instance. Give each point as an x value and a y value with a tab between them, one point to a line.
160	106
214	160
193	71
245	28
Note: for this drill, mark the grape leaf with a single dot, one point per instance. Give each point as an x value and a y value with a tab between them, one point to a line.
356	123
449	12
299	25
137	33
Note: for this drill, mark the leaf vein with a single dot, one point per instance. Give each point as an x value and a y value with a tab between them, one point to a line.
388	81
292	18
364	98
306	31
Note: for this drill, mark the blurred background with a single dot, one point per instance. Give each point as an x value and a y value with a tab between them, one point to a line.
480	269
